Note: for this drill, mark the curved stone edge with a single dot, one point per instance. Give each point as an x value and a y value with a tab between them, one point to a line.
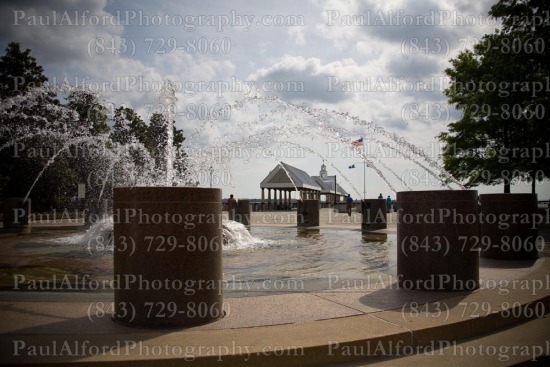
323	342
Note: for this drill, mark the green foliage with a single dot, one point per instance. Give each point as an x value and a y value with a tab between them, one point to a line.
128	126
53	146
25	111
91	112
501	87
19	72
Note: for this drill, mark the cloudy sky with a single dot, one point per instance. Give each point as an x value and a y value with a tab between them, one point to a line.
341	70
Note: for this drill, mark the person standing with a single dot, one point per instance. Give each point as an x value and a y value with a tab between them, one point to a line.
380	196
388	203
349	203
231	204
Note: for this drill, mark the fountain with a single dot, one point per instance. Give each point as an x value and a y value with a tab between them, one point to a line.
167	236
153	225
168	242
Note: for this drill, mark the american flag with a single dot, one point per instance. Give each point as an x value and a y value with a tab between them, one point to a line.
358	142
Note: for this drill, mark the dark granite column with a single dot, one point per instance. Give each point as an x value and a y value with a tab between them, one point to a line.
373	214
167	256
436	240
243	212
508	229
308	213
16	212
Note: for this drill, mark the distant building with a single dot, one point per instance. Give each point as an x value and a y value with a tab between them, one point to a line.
284	179
327	184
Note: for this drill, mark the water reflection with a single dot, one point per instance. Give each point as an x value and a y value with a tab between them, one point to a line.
280	253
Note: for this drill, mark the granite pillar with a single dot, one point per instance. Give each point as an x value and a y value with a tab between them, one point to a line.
16	212
167	256
508	229
436	233
308	213
373	214
243	212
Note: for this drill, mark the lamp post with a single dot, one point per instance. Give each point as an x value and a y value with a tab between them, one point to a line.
211	171
335	197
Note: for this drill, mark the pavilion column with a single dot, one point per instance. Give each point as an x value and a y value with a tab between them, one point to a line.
269	199
289	199
261	206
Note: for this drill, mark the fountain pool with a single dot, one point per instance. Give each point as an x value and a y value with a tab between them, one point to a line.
56	259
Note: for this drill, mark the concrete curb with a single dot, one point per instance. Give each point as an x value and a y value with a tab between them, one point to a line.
332	341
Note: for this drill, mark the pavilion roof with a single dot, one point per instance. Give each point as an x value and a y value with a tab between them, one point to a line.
327	185
285	176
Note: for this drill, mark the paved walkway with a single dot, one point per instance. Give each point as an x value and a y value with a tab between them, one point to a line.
351	321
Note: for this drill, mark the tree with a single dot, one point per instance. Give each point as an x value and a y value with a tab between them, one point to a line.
19	72
525	23
91	112
48	147
128	126
503	128
33	125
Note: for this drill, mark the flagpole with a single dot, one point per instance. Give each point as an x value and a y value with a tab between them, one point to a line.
364	173
356	143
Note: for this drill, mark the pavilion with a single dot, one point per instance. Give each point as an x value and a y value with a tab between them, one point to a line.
284	179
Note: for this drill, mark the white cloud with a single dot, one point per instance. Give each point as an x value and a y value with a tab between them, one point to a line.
355	58
297	34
